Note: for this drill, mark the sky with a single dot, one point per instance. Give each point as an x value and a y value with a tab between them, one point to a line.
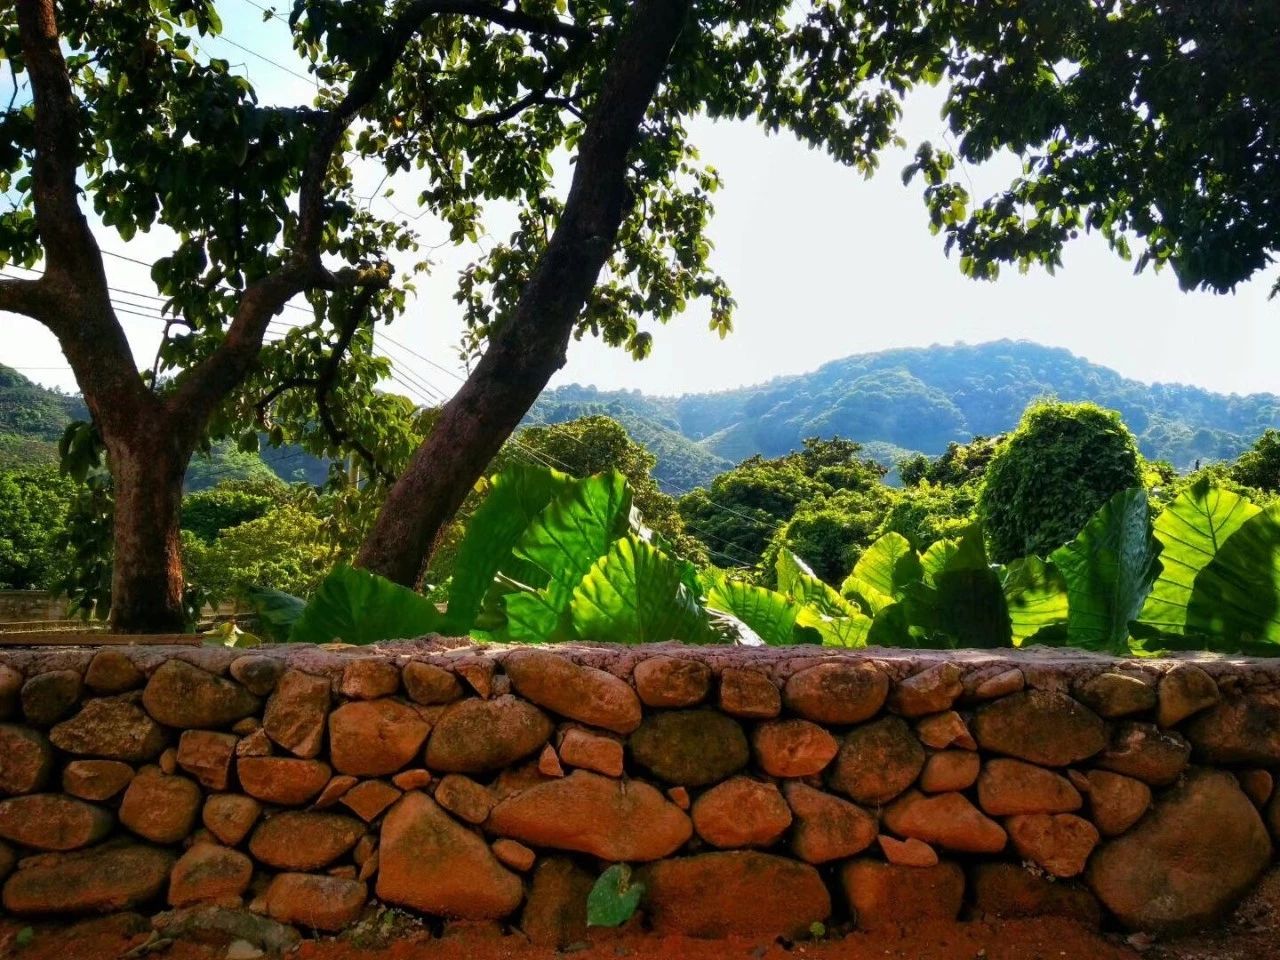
822	264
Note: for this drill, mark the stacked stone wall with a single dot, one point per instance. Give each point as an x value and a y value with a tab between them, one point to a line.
756	792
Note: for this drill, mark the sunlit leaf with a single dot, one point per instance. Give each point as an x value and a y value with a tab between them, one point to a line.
359	607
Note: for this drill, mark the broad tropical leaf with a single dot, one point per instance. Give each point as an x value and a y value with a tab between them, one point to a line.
637	594
798	581
1109	568
965	552
770	615
1035	595
276	611
1191	530
359	607
847	631
1236	597
883	571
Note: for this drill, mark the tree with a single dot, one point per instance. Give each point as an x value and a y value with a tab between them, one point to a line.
1259	466
284	549
33	510
1051	474
208	512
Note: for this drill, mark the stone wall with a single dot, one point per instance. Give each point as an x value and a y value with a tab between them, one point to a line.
756	791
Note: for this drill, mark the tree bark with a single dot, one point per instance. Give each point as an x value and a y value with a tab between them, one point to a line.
528	349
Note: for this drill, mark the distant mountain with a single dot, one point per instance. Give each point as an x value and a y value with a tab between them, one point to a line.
919	399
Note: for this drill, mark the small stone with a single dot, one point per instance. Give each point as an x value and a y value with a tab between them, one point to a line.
615	820
412	779
741	812
739	893
1000	685
929	691
793	748
514	855
1013	787
102	880
579	747
220	924
368	679
369	799
286	781
1078	780
373	738
168	761
50	821
1185	691
946	729
878	761
479	675
207	756
950	770
242	728
334	790
585	694
369	868
465	798
431	863
475	736
749	694
679	796
255	744
907	853
318	903
296	713
242	950
230	817
26	759
826	827
366	847
1059	842
159	807
1040	726
111	672
837	694
301	840
95	779
209	874
1116	802
48	697
180	695
947	820
555	912
549	762
1144	751
258	674
691	748
888	894
430	685
1242	728
1257	785
10	690
663	681
1010	892
1112	695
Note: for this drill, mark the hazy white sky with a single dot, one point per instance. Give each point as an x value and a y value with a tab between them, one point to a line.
822	263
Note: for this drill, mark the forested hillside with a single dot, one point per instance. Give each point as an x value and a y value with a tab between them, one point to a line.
918	399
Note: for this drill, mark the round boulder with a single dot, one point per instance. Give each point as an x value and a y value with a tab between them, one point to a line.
475	736
837	693
878	761
741	812
691	748
1040	726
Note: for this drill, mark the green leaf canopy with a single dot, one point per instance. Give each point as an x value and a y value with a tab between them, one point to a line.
361	608
883	571
1236	598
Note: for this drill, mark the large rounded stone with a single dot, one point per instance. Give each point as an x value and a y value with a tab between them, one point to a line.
1112	695
430	685
887	894
10	690
180	695
827	827
793	748
102	880
475	736
368	679
230	817
113	728
208	873
1244	728
315	903
159	807
1187	862
50	821
734	894
1184	691
580	693
112	671
741	812
428	861
287	781
259	674
1116	802
555	912
946	820
950	770
1011	787
296	713
48	697
618	820
1147	753
95	779
1008	891
691	748
372	738
878	761
932	690
26	759
748	694
301	840
1060	843
1040	726
207	756
837	693
663	681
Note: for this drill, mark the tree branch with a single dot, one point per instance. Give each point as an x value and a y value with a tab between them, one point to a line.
22	296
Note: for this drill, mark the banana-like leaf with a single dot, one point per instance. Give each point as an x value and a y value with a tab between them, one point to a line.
567	537
1191	530
769	615
1109	569
882	572
798	581
1035	595
965	552
636	593
959	601
1236	597
276	611
847	631
359	607
516	496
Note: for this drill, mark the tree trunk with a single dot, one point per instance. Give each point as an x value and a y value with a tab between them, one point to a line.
529	348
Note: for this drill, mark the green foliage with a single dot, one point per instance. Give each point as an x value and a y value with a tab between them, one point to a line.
832	531
1236	598
358	607
770	616
882	573
275	610
1052	474
1259	466
925	513
1036	597
208	512
33	508
613	898
285	549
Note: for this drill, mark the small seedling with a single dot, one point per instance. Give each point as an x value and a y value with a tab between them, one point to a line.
24	937
817	929
613	898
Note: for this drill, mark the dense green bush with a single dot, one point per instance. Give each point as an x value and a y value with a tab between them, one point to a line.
33	511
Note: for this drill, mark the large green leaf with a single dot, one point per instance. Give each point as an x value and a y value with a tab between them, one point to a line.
847	631
883	571
798	581
277	612
636	593
1236	598
1191	530
770	615
1035	595
567	537
516	496
1109	568
359	607
960	601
